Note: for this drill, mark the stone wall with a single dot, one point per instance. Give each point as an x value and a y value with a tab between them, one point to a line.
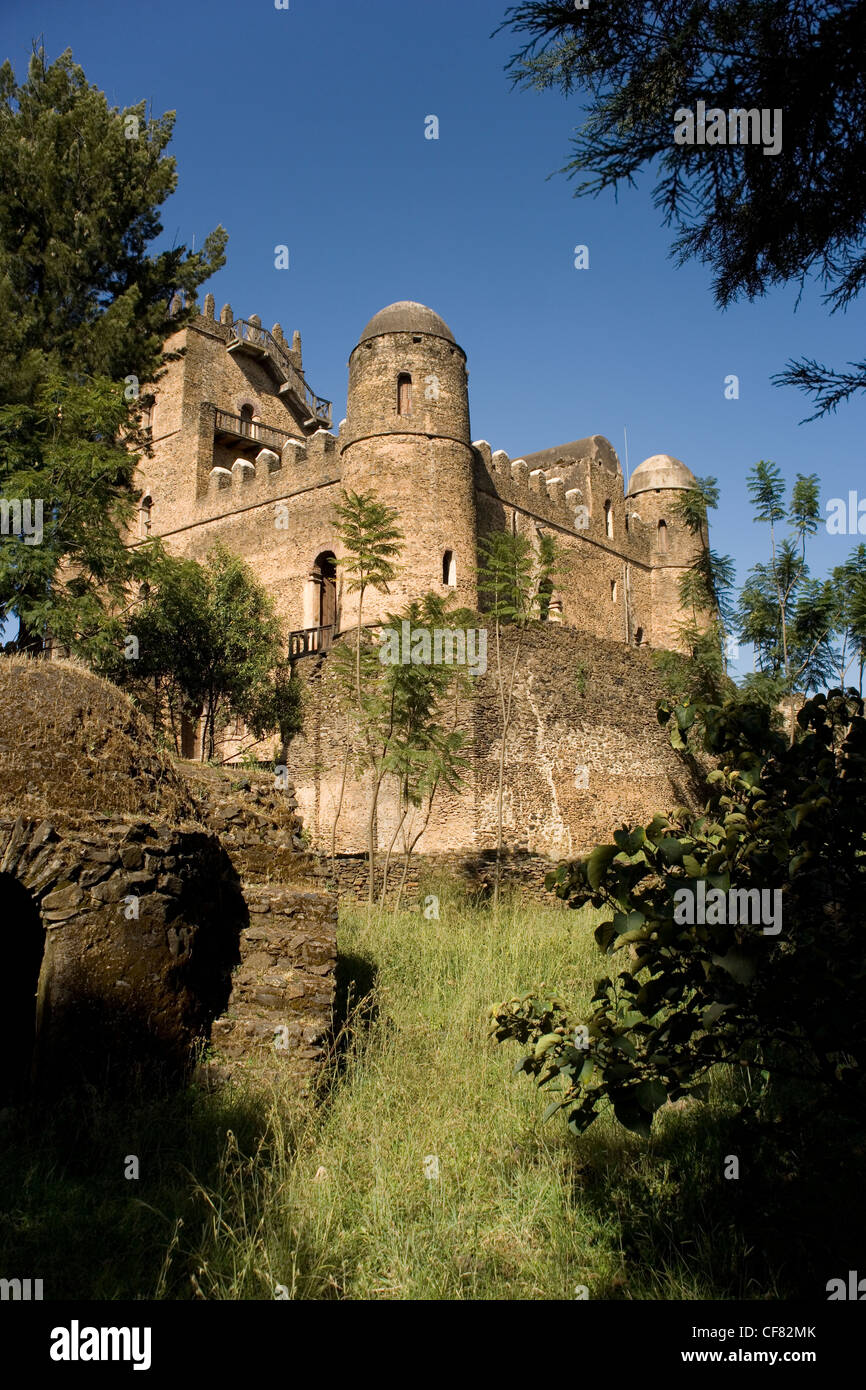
585	754
123	898
473	875
141	924
280	1010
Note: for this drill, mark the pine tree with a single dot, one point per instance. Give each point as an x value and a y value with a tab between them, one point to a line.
84	312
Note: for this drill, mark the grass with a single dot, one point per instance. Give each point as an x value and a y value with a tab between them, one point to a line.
244	1191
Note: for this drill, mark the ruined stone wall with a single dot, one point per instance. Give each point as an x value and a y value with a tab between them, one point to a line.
473	874
585	753
128	891
141	927
282	995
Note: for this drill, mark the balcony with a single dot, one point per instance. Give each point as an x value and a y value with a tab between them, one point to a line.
254	341
228	429
307	641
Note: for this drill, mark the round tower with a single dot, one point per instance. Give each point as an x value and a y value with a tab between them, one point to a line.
653	489
406	439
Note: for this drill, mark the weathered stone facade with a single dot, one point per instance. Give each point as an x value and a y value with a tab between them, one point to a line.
266	486
585	754
132	932
240	454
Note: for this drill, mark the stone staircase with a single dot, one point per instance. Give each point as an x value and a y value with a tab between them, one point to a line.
280	1011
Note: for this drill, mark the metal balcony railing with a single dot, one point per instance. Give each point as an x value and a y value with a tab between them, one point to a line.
252	431
263	343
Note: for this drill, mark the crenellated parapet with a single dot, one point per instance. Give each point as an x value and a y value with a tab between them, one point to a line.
296	467
225	326
543	493
582	496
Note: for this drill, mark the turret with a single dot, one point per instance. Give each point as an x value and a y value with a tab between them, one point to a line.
407	440
653	489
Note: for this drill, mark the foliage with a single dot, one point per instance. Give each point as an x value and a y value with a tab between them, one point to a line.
789	618
690	997
514	585
371	541
207	641
403	727
848	593
66	453
757	221
84	312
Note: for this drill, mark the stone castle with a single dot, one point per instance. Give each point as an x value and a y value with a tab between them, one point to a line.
243	452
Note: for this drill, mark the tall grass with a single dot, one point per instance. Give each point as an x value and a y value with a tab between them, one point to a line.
253	1193
339	1204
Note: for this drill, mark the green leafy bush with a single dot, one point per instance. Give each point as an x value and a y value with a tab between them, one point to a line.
789	998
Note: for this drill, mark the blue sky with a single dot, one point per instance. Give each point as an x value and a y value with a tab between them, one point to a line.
305	127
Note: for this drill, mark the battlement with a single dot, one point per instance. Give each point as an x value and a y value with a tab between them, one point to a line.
573	495
270	475
544	493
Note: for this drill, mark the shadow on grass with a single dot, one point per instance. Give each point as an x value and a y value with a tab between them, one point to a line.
791	1220
71	1216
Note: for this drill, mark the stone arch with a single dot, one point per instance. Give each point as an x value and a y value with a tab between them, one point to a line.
324	576
114	966
250	419
23	952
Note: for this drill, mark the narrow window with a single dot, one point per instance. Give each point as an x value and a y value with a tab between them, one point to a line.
246	419
663	538
545	596
608	518
613	591
145	517
449	569
638	637
404	394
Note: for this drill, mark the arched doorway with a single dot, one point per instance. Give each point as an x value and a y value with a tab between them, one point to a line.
24	944
325	573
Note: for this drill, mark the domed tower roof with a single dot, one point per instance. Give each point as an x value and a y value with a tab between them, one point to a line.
660	471
407	317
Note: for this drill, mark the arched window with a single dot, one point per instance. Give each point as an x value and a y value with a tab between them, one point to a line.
404	394
246	419
145	517
325	575
449	569
608	518
613	591
663	537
